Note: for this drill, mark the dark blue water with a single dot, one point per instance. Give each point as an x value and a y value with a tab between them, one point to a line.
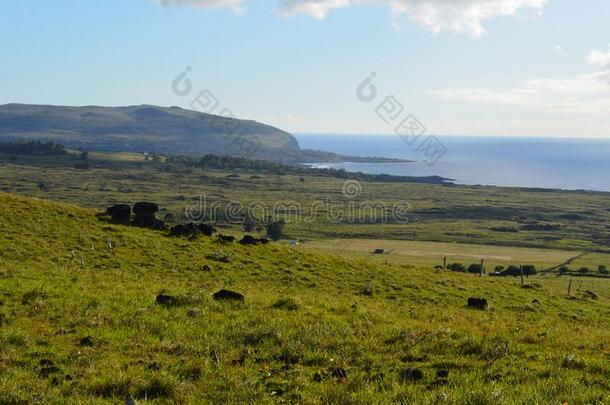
571	164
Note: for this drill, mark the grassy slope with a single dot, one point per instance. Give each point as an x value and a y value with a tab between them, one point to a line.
446	214
60	282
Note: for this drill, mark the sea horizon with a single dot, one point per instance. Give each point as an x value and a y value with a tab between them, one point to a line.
575	163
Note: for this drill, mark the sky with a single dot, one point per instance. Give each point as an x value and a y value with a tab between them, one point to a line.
459	67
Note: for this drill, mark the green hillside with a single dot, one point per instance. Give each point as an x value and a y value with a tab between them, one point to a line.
144	128
79	323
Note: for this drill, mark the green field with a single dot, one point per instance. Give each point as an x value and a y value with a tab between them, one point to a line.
324	321
432	254
473	215
79	322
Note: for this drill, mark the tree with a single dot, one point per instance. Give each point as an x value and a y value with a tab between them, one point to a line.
458	267
474	268
601	269
275	229
249	224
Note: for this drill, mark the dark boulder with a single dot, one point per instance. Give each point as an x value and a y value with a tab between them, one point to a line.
119	213
226	238
192	229
263	241
149	222
145	209
411	374
166	300
158	224
87	342
181	230
249	240
226	295
477	303
442	374
207	230
145	216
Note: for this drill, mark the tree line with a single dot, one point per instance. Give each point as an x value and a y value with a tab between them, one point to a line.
32	148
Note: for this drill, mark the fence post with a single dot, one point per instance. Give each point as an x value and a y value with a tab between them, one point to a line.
521	267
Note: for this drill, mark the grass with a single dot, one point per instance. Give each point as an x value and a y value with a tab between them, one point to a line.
466	214
431	254
79	323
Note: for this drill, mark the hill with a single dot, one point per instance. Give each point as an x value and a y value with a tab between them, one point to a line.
144	128
79	323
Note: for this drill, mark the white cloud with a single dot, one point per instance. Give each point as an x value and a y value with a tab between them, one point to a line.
599	58
463	16
583	95
237	6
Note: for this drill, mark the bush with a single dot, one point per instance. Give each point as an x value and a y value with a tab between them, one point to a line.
529	270
499	269
512	271
474	268
603	270
459	267
275	229
584	270
564	269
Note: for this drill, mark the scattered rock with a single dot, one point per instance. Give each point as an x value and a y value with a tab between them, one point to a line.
226	295
87	342
166	300
249	240
411	374
206	268
368	289
477	303
145	215
47	367
192	229
145	209
119	213
180	230
206	229
226	238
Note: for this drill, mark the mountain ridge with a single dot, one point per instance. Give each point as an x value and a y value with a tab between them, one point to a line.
143	128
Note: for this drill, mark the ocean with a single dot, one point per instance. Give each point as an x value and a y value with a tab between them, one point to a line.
557	163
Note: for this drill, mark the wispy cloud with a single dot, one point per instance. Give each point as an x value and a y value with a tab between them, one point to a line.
601	58
583	94
237	6
462	16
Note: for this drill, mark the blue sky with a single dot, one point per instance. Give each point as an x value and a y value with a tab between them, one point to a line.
464	67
